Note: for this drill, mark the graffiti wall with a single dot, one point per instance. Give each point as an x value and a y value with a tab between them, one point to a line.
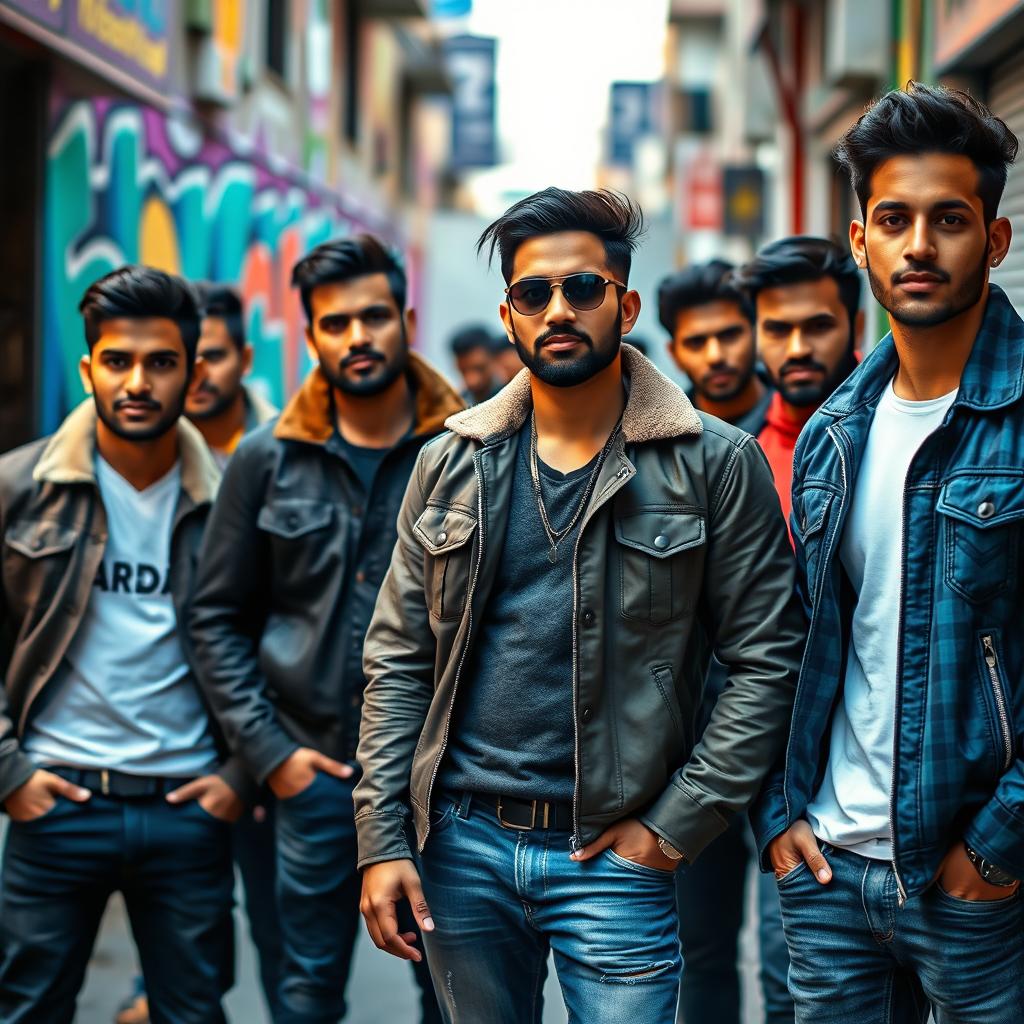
125	184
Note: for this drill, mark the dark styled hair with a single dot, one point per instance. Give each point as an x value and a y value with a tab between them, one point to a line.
135	292
468	339
224	303
929	119
713	281
343	259
803	258
614	218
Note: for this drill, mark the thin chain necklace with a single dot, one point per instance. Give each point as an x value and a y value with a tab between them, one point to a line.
555	537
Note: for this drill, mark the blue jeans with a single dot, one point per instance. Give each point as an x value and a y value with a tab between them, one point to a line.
501	898
173	865
857	957
318	890
711	896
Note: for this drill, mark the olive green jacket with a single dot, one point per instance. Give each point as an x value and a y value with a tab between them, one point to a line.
682	550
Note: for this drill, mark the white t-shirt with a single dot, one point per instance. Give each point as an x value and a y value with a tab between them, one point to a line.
123	697
851	809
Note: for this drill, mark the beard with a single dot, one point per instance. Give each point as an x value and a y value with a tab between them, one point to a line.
376	380
149	432
221	402
743	378
804	395
921	312
566	371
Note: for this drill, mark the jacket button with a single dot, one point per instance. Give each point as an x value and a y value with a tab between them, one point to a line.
360	576
986	510
293	521
661	542
586	714
589	618
442	537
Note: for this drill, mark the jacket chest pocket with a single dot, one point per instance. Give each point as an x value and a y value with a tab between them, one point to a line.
661	563
981	515
810	516
304	550
36	557
445	534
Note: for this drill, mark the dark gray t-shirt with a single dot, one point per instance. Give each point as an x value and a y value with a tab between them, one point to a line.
513	732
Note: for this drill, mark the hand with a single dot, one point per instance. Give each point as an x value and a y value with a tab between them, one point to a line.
34	798
298	771
959	878
215	797
632	840
384	884
795	845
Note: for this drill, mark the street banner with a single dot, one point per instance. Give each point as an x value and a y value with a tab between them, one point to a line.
633	114
743	189
471	62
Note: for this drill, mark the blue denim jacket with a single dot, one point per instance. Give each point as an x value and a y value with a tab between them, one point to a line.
958	757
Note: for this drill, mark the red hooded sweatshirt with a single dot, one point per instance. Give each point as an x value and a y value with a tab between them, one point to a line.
783	423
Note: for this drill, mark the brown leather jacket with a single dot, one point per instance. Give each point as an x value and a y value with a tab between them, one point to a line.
54	531
682	550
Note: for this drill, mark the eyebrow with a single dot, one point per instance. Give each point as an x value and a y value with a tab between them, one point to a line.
823	315
375	307
129	353
895	205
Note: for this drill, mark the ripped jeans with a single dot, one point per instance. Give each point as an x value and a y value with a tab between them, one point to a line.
500	899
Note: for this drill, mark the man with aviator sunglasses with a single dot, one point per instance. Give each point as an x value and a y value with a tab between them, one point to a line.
568	555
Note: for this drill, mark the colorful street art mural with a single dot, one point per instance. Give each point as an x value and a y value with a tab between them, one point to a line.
125	184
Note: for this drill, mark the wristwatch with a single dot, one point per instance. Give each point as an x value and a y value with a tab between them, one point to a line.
669	850
988	871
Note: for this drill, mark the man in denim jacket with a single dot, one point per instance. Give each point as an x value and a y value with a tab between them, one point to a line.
896	825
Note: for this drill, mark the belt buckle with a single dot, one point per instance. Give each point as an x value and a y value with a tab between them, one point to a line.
533	817
104	782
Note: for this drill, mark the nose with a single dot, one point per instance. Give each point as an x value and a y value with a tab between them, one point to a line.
358	334
796	345
137	381
559	311
920	246
713	351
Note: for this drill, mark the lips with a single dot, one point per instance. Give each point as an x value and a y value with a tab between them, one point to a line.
919	282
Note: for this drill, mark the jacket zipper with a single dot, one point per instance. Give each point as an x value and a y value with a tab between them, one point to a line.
465	643
901	895
575	843
997	691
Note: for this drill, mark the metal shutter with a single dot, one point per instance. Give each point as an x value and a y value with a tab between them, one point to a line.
1006	100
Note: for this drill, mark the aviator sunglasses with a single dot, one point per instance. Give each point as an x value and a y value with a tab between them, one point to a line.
531	295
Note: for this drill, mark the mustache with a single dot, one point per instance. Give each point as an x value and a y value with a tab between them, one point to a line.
148	403
922	268
801	364
565	331
359	354
206	388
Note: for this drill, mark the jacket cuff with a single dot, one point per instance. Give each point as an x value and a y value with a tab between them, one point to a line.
768	820
236	775
267	751
997	833
15	770
679	817
381	836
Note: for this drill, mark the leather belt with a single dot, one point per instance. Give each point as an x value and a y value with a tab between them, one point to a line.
108	782
527	815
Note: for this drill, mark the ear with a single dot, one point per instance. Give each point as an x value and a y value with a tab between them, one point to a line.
247	354
410	326
197	377
630	310
1000	234
505	312
857	244
311	345
85	372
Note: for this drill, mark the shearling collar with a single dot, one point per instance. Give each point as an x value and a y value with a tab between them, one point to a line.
307	417
69	457
656	409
